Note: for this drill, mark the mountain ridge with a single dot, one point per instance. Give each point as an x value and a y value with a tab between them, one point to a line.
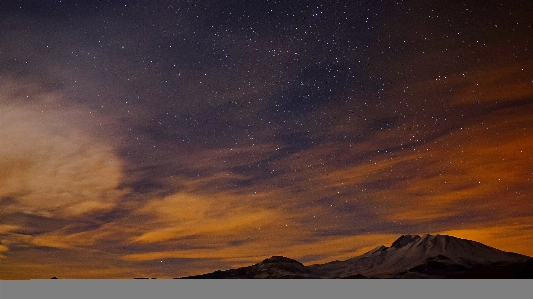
409	256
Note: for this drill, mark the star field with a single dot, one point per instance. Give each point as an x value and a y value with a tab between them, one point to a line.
173	138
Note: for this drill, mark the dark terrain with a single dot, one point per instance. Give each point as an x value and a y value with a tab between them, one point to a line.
410	256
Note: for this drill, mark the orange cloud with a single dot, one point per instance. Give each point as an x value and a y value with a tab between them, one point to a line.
513	235
495	84
181	215
3	248
480	168
50	166
6	228
321	250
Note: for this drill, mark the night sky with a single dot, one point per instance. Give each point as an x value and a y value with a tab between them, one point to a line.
172	138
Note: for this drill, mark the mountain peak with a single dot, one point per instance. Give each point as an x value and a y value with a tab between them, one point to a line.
404	240
279	259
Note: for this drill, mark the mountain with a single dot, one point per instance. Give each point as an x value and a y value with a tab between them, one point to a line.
410	256
274	267
413	256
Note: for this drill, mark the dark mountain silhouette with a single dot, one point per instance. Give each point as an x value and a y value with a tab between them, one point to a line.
500	270
410	256
274	267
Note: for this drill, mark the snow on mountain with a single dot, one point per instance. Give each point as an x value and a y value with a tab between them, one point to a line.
427	252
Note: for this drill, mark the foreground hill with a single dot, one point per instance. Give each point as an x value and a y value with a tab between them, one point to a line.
410	256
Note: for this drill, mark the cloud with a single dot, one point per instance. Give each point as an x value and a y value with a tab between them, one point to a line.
6	228
495	84
223	216
473	174
49	164
238	228
512	236
3	248
320	250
